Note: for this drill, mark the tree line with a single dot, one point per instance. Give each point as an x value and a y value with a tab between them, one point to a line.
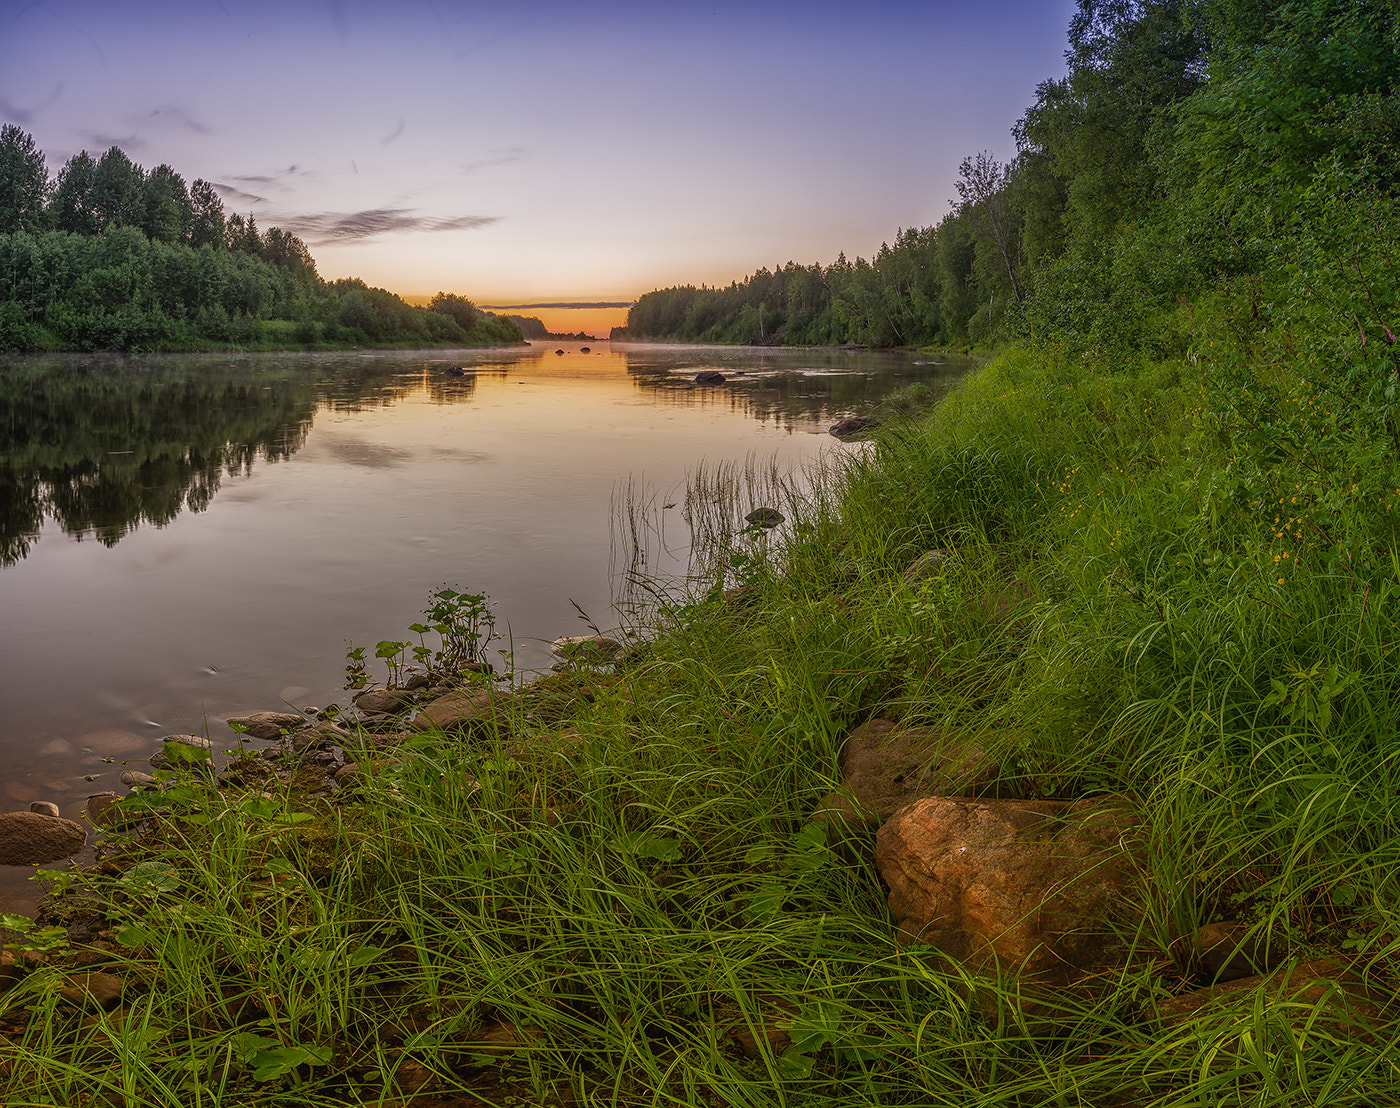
109	256
1191	173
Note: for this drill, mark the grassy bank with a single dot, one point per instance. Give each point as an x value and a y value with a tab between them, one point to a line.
1149	588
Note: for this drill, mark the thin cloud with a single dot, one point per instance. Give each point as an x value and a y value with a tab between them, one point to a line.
16	114
241	196
128	143
321	228
500	156
173	116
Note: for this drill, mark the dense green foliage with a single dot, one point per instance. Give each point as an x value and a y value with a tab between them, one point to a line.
110	257
1196	154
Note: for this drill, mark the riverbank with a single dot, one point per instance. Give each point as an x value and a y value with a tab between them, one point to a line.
1079	582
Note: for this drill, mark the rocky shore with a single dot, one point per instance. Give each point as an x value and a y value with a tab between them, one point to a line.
991	881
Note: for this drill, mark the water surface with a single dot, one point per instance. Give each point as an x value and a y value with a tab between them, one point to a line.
186	538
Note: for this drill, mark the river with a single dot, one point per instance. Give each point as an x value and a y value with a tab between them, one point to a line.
188	537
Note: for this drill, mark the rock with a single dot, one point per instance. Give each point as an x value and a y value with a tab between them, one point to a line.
34	839
709	377
44	807
769	1039
595	649
454	371
855	425
137	780
185	750
268	725
1231	949
320	733
559	351
98	809
764	517
885	767
347	774
114	742
95	989
10	971
1029	887
925	565
476	711
1347	998
420	681
384	700
584	350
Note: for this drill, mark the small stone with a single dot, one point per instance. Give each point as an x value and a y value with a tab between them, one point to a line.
473	710
755	1043
103	990
709	377
852	426
268	725
764	517
98	809
347	774
44	808
925	565
1231	949
137	780
34	839
384	700
587	648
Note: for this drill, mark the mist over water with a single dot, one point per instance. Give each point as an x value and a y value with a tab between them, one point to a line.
186	538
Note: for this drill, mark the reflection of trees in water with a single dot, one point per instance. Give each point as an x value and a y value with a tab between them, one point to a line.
792	389
104	445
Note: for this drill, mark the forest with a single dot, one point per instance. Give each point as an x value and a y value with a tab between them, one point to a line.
1181	183
110	256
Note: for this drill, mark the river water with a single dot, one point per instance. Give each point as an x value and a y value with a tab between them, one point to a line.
186	538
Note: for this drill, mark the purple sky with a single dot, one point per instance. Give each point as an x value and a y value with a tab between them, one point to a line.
535	152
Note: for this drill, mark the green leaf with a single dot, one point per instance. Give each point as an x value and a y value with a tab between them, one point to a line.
646	845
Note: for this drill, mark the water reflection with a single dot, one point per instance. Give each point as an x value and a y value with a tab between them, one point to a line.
257	514
104	445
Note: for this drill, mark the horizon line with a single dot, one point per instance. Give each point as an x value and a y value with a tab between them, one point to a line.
566	304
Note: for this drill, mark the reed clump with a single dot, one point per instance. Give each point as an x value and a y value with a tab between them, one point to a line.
624	900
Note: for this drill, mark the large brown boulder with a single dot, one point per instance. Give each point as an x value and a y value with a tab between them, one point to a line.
1030	887
34	838
885	768
475	711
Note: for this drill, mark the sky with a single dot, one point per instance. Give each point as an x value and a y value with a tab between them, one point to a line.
543	153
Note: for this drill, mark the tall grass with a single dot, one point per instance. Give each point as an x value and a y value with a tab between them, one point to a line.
596	910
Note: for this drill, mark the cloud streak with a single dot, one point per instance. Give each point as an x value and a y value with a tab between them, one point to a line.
323	228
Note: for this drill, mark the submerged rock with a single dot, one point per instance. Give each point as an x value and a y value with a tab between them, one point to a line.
855	425
36	838
709	377
764	517
596	649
